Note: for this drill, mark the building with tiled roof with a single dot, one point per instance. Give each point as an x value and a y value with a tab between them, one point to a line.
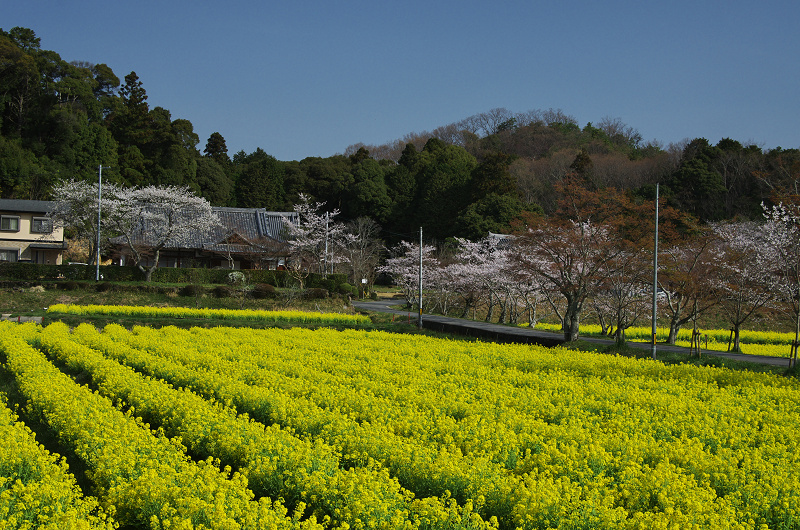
244	238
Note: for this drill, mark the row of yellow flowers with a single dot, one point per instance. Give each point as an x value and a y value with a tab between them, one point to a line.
275	462
307	317
36	487
535	437
142	479
425	469
768	343
363	476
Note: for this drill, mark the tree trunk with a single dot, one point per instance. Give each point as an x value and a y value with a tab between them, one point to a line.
793	358
148	271
532	317
674	327
572	330
619	336
737	348
572	320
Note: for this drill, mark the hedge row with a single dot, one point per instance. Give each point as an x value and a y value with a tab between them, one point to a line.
112	273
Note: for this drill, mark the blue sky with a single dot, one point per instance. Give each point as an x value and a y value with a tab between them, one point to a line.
309	78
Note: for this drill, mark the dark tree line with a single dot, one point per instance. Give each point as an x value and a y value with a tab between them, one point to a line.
60	120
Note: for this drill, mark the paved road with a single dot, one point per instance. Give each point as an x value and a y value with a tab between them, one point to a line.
7	316
503	333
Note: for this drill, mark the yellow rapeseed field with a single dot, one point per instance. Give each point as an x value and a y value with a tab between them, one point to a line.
768	343
225	314
368	429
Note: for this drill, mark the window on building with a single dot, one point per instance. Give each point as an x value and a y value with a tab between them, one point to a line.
41	225
9	254
9	223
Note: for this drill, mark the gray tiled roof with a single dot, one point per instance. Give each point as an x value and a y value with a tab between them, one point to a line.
21	205
250	224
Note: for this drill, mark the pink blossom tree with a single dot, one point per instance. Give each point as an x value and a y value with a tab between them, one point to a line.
75	207
403	267
782	241
153	218
480	269
315	240
744	274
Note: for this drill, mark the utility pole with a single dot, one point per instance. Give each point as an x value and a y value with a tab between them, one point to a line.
99	208
327	218
419	322
655	279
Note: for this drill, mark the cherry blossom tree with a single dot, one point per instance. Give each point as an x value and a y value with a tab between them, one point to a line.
479	272
744	273
571	258
151	219
623	296
75	207
315	240
403	267
782	237
684	277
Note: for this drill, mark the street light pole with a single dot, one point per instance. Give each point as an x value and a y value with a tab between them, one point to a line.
419	322
655	280
99	209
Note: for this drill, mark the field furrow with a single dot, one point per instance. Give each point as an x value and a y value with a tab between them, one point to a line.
145	480
36	487
612	439
275	461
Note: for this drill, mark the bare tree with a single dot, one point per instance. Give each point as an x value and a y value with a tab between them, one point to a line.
623	297
619	133
536	178
362	249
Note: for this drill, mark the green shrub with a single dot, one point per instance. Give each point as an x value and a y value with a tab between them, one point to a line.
223	291
114	273
191	289
263	290
330	282
69	285
274	278
315	293
347	289
104	287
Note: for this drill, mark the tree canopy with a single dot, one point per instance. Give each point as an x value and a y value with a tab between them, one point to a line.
61	120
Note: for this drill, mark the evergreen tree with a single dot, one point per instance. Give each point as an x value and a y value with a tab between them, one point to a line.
217	150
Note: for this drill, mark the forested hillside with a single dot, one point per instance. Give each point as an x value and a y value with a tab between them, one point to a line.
61	120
